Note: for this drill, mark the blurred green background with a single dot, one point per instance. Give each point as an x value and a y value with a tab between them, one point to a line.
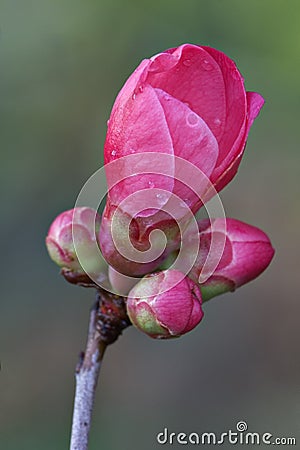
62	64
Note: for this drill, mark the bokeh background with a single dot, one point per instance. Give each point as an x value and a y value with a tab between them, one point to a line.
62	64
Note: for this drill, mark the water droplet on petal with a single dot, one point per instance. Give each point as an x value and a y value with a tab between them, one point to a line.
187	62
141	88
183	205
192	119
133	96
151	184
114	152
206	65
162	197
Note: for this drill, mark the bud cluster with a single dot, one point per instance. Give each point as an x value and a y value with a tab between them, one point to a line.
176	136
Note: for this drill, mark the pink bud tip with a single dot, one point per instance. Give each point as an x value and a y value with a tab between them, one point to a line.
165	304
74	233
186	106
188	102
246	254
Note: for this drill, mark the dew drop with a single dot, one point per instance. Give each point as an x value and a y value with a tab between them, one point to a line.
163	197
141	88
151	184
206	65
192	119
114	152
183	205
187	62
133	96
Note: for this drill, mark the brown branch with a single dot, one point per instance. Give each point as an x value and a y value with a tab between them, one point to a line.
107	320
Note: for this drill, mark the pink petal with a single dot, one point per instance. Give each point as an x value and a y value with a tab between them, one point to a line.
139	127
254	104
195	316
227	170
238	231
173	305
196	312
191	75
232	139
174	308
249	260
192	141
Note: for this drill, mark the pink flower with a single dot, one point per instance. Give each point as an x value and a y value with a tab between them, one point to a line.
185	104
190	102
165	304
247	253
82	226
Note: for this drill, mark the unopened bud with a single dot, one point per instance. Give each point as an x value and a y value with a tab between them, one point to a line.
246	254
73	234
165	304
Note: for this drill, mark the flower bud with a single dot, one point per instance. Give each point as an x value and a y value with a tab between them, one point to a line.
189	102
185	107
74	233
165	304
246	254
133	236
